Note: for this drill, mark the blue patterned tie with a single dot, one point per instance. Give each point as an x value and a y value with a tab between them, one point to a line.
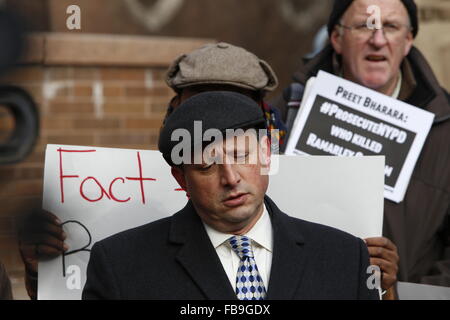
249	285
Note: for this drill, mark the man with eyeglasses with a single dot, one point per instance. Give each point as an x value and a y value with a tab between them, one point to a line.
382	57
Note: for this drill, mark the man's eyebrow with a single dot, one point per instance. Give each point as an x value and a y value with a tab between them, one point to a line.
393	16
394	20
359	16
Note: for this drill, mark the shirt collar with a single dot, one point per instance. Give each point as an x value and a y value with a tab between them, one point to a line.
396	92
261	233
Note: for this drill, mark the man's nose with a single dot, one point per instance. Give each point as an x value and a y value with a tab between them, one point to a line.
229	175
378	38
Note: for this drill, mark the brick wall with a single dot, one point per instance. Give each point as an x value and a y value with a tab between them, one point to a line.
94	90
434	39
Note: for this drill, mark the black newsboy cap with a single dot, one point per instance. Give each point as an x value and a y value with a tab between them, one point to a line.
340	6
216	110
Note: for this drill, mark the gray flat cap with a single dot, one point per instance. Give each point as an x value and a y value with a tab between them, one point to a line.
221	63
217	110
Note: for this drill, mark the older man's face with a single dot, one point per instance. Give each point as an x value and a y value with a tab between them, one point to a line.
373	59
229	196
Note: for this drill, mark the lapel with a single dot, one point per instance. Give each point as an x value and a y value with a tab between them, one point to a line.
197	255
427	94
289	257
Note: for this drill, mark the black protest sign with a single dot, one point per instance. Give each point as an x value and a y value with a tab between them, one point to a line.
335	129
341	118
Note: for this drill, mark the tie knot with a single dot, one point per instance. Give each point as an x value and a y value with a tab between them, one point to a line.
241	245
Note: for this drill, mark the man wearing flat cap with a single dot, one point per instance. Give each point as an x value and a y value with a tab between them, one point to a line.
230	241
384	59
213	67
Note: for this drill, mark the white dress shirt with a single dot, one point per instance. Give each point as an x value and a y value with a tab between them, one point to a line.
398	87
262	246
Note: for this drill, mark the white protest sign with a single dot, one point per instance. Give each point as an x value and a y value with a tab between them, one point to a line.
415	291
104	191
97	192
342	118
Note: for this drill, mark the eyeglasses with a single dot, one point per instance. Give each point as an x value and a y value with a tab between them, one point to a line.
391	31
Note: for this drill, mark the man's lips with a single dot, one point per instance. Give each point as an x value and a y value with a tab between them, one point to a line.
235	200
376	58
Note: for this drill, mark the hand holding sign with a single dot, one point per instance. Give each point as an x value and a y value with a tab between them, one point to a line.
41	238
383	253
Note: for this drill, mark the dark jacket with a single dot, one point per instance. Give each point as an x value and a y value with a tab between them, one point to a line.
173	258
419	225
5	284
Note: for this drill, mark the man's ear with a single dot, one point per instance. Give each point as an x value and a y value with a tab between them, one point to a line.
409	43
178	174
266	151
336	40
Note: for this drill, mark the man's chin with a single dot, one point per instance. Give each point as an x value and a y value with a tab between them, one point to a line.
240	214
375	82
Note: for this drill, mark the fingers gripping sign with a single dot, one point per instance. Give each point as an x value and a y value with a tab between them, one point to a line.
383	253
